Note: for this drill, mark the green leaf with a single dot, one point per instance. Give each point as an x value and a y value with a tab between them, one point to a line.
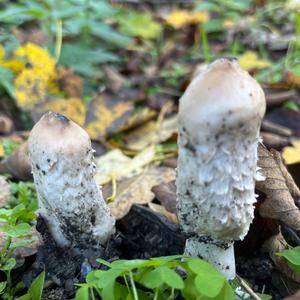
36	288
293	258
291	255
9	264
84	60
2	286
133	24
208	281
18	230
108	34
264	296
82	293
162	275
20	243
6	80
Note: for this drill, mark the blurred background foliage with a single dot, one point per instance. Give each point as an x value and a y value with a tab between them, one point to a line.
113	65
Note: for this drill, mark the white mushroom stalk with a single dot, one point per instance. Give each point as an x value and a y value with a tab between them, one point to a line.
70	200
219	120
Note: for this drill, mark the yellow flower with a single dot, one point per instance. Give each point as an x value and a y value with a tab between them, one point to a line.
250	61
37	79
36	57
180	18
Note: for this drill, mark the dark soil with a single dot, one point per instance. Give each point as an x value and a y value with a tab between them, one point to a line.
140	234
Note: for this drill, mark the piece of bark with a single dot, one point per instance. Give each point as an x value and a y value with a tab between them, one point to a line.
276	128
275	141
17	164
278	98
279	189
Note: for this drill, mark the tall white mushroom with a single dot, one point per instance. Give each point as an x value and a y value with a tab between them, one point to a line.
70	200
219	120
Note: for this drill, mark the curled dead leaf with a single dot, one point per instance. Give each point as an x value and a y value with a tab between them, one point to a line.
17	164
161	210
279	188
166	194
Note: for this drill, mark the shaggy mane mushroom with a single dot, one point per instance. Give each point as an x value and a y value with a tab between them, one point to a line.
219	120
70	200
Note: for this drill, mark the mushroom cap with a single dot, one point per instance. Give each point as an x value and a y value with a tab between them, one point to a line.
223	94
57	134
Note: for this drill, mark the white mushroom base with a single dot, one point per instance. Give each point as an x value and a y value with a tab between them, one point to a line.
218	253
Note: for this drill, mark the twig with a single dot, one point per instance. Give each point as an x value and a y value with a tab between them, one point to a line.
247	288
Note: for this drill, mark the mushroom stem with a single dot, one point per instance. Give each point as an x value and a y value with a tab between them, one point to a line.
219	120
70	200
219	253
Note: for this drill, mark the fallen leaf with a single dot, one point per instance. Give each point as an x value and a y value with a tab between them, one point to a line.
6	125
106	115
17	164
291	155
137	190
162	211
166	194
133	24
4	191
279	188
69	82
249	61
180	18
73	108
151	133
114	164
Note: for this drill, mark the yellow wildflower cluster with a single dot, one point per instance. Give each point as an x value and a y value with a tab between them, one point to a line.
37	78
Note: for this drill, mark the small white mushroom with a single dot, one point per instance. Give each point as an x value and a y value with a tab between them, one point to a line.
70	200
219	120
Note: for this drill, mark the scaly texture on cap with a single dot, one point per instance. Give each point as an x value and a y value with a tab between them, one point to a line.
63	169
219	120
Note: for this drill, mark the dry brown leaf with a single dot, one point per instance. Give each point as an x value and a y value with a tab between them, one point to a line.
4	191
161	210
70	83
6	125
137	190
277	244
166	195
279	188
17	164
151	133
115	164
